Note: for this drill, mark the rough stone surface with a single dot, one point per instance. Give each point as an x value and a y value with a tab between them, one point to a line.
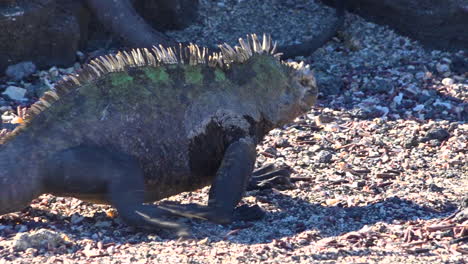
168	14
43	31
49	32
436	24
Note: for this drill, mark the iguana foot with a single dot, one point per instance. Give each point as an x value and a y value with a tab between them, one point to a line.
195	211
270	176
241	213
248	213
149	217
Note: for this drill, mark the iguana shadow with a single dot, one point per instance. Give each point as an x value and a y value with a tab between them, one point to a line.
295	215
290	217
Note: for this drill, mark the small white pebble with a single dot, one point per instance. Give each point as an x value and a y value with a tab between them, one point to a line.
447	81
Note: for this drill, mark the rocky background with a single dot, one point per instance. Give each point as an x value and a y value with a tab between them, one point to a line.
379	166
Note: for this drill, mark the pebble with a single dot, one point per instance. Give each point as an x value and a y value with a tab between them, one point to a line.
281	143
329	84
418	108
324	156
21	228
420	75
20	70
15	93
442	68
438	133
447	81
76	219
410	142
3	104
38	239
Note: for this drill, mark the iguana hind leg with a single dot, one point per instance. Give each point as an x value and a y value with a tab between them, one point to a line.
227	189
99	175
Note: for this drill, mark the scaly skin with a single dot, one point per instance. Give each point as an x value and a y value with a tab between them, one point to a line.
151	132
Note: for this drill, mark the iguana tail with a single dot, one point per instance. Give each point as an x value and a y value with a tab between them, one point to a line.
19	183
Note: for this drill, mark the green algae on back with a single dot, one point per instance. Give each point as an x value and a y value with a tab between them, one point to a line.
122	79
158	75
193	74
219	75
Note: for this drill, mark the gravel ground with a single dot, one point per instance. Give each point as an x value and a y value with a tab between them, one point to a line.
379	166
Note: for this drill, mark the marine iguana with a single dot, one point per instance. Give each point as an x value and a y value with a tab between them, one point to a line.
144	125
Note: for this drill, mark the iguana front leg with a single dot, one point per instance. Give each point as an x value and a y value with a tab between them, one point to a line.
231	180
227	188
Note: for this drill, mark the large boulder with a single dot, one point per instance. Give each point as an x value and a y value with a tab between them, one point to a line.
168	14
49	32
46	32
438	24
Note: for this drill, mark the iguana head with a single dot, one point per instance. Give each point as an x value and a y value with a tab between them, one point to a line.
280	90
299	94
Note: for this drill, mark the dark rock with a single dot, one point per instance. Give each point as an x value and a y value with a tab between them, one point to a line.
168	14
438	133
37	90
271	150
459	65
436	24
369	113
383	86
410	142
377	87
324	156
8	126
43	31
20	70
126	25
427	99
434	188
3	102
358	184
282	143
